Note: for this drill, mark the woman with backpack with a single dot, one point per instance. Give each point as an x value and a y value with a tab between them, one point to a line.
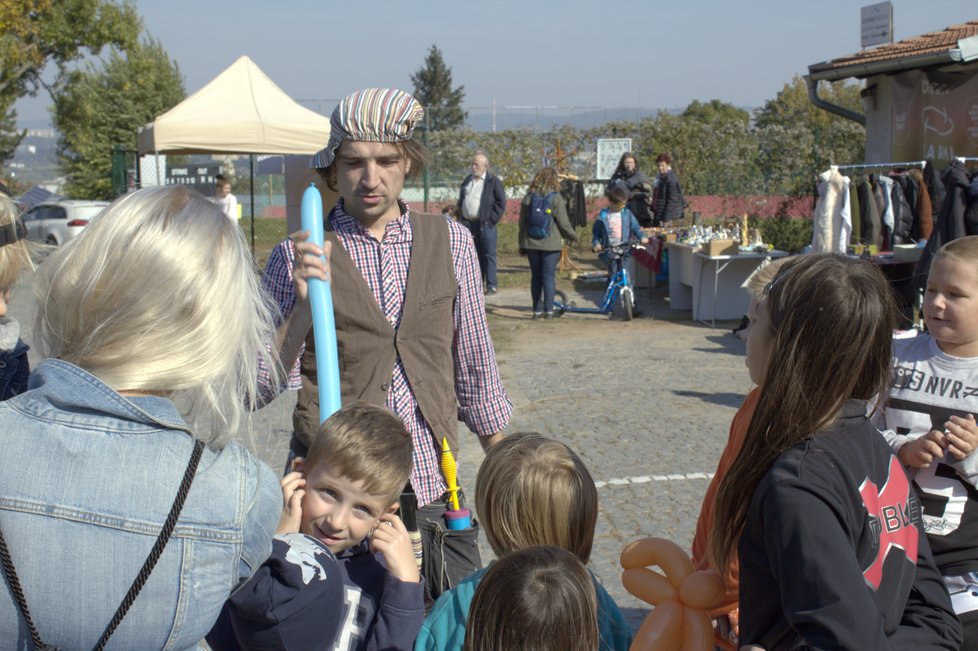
543	228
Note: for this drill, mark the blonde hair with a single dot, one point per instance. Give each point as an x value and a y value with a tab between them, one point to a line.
963	249
532	490
16	256
539	598
763	276
159	293
365	443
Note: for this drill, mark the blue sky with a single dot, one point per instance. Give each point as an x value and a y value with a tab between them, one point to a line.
595	53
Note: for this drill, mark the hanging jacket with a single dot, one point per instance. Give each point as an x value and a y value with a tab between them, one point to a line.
902	214
950	223
869	214
884	187
923	210
971	212
832	220
935	188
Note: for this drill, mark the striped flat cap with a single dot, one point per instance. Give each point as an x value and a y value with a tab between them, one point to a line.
370	115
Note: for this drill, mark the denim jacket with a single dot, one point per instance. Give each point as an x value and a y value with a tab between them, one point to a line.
600	233
87	478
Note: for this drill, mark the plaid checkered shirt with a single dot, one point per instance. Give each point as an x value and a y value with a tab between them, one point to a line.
482	401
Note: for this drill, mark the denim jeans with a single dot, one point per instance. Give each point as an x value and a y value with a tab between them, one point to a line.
484	236
543	271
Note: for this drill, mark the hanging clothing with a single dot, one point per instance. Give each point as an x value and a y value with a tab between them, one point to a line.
832	218
950	224
572	190
869	213
935	187
924	218
855	212
902	214
884	190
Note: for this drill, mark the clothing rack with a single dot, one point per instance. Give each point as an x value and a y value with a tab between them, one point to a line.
912	163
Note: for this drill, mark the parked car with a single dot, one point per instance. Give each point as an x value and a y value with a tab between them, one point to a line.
56	222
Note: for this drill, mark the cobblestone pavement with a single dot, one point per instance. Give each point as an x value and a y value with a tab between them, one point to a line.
646	404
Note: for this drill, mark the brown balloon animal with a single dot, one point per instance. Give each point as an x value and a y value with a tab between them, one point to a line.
679	621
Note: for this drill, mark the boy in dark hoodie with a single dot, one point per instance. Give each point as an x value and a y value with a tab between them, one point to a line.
348	579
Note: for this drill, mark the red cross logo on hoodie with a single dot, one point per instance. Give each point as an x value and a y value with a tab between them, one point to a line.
893	512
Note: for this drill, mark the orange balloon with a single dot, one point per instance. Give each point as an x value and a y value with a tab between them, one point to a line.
662	630
658	551
702	589
651	587
697	631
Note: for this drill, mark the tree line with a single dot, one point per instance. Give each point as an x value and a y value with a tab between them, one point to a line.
717	148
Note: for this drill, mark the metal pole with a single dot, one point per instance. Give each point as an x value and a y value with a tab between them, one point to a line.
251	165
425	179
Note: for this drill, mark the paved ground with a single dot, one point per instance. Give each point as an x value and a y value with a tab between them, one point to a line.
646	404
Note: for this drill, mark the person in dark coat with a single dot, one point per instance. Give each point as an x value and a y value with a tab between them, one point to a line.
482	202
669	202
638	185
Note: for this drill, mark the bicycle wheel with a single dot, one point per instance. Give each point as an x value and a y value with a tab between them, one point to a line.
626	303
560	302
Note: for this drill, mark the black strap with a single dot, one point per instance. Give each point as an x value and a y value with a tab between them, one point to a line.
141	578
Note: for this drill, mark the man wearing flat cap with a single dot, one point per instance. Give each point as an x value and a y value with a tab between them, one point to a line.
407	294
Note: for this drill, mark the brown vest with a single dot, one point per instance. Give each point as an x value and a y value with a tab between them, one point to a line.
368	347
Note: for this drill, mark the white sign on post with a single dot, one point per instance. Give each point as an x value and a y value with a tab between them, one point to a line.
876	24
609	153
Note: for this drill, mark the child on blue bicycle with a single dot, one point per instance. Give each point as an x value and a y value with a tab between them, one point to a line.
615	225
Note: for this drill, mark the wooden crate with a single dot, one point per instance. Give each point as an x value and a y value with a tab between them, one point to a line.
721	247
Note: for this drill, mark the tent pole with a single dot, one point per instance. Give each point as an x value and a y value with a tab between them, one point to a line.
251	164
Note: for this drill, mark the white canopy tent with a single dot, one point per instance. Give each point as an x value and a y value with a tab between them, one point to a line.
239	111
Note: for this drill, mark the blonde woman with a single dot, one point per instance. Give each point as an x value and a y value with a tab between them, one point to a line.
149	320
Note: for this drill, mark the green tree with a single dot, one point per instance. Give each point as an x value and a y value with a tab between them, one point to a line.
10	135
796	138
34	33
99	107
433	88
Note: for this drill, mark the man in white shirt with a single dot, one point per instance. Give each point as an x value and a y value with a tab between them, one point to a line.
481	203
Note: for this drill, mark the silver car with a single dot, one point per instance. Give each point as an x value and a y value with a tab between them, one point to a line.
56	222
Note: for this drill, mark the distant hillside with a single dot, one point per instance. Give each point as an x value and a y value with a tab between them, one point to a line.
36	158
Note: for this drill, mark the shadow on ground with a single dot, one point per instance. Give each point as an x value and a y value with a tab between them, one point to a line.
725	399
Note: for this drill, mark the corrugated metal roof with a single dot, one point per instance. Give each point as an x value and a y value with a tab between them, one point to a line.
944	40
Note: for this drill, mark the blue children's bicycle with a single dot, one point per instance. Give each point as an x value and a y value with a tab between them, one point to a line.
618	285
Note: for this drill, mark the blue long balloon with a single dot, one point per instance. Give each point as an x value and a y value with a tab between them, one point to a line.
323	322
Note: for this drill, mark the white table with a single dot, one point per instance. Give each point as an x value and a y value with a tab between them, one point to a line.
724	297
681	274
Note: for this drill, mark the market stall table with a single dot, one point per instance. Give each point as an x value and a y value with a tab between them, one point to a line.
725	297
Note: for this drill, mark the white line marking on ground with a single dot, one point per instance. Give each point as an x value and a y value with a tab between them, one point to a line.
644	479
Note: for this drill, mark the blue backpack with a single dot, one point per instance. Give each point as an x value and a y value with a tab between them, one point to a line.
538	225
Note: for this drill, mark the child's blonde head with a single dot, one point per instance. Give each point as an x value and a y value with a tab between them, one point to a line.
532	490
14	252
762	277
963	249
365	443
160	294
538	598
